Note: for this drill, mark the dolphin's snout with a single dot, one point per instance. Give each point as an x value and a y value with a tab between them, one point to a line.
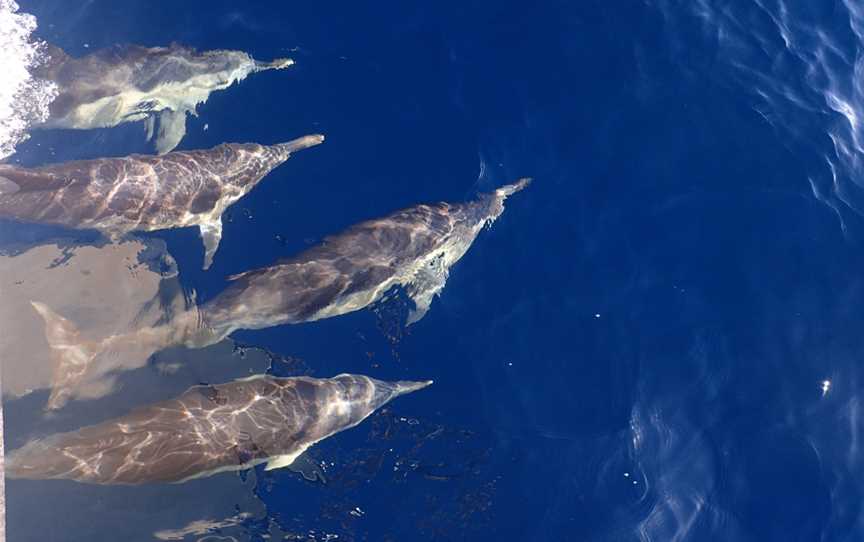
275	64
407	386
510	189
301	143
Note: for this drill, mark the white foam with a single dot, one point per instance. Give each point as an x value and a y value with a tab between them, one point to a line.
23	100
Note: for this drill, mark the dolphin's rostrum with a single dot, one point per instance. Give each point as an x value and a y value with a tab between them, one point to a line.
413	248
142	192
207	430
132	83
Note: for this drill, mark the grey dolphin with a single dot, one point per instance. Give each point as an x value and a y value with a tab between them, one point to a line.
413	248
132	83
143	192
207	430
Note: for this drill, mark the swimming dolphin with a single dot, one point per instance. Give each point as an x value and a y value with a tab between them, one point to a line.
132	83
143	192
207	430
413	248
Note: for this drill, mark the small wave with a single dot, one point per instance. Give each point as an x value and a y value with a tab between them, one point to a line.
803	67
833	429
677	467
674	455
24	100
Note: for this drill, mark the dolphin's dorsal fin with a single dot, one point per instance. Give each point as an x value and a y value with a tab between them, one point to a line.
211	234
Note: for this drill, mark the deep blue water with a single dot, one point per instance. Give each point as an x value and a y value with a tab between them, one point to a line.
636	349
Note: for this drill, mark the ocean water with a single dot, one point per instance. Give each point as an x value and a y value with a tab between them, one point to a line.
658	340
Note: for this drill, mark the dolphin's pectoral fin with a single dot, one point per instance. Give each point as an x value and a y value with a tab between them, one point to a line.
211	234
280	461
8	187
425	285
172	128
149	126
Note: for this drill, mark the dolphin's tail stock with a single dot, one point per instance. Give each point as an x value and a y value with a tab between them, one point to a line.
72	355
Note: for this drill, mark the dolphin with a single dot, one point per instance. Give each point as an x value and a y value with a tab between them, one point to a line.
413	248
128	83
207	430
143	192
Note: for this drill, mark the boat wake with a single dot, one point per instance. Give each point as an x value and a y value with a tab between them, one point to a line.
24	99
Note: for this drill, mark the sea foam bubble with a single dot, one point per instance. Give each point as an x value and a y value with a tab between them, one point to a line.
24	99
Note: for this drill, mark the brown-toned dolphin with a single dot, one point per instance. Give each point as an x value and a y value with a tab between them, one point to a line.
128	83
413	248
143	192
207	430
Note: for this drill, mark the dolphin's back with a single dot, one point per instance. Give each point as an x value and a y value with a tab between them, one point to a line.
52	195
350	270
205	430
133	192
130	83
363	258
130	68
208	429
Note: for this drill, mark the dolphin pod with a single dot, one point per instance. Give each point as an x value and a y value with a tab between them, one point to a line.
207	430
142	192
413	248
236	425
133	83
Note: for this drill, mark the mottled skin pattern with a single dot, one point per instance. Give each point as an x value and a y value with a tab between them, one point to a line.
413	248
112	71
351	270
208	429
142	192
128	83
